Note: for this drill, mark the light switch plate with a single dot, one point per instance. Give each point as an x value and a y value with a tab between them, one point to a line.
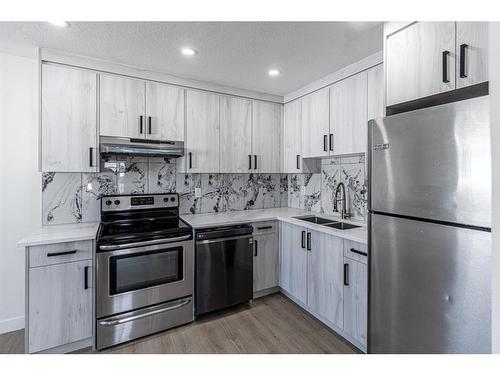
303	190
197	192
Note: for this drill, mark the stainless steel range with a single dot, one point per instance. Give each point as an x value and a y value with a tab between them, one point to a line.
144	267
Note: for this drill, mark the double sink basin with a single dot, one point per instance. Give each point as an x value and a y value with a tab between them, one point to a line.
327	222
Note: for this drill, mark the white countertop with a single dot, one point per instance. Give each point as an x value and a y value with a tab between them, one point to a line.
283	214
60	233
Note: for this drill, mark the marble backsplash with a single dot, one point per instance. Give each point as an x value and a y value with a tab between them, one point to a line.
75	197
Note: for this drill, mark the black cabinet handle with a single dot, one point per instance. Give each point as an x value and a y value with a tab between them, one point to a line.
61	253
445	66
463	60
325	141
86	277
190	160
249	161
309	241
91	156
331	142
149	124
255	162
267	227
303	242
140	124
298	161
255	248
353	250
346	274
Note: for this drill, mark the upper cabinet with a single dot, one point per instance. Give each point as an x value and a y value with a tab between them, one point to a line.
266	135
375	97
428	58
138	109
203	128
315	124
68	119
292	137
348	114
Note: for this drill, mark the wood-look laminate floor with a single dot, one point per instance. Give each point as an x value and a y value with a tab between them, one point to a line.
271	324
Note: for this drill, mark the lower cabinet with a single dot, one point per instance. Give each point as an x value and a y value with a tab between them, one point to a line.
265	262
59	299
356	299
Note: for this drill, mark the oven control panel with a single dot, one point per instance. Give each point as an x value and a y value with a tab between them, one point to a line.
139	202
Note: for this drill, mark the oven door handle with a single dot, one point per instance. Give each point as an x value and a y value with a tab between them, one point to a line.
114	322
222	239
144	243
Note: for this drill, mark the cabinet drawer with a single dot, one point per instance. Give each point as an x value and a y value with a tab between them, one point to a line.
264	227
64	252
353	249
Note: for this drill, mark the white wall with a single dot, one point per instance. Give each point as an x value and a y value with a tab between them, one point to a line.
495	150
20	196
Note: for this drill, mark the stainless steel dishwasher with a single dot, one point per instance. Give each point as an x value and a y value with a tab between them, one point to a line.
224	267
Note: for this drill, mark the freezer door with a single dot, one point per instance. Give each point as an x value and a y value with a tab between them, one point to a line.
429	288
433	163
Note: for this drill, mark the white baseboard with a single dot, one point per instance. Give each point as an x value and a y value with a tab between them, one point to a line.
12	324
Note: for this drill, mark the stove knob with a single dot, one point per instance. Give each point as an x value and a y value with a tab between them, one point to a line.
172	199
108	203
117	202
165	200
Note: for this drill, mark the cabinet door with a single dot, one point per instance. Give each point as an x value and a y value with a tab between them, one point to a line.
235	135
348	116
123	103
292	133
265	262
293	267
414	58
356	299
69	119
375	97
60	308
315	124
266	133
202	145
472	52
325	278
164	112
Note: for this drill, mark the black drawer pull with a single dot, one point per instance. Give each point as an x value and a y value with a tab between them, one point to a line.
86	277
353	250
190	160
255	161
140	124
255	247
463	60
445	66
309	241
331	142
266	227
303	242
346	274
298	161
325	141
249	161
62	253
91	156
149	124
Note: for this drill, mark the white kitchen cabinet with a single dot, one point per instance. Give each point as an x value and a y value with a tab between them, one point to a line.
265	262
69	119
375	96
472	53
122	110
315	124
348	114
202	132
164	112
266	135
293	264
292	137
60	305
325	278
420	61
356	299
235	135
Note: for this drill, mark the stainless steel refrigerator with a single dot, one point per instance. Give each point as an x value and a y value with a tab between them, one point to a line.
429	230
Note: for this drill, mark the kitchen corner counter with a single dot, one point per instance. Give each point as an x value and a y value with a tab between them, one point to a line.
51	234
285	214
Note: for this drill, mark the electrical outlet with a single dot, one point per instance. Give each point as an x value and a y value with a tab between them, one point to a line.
197	192
303	190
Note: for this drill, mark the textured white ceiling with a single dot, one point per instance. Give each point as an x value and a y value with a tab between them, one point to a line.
237	54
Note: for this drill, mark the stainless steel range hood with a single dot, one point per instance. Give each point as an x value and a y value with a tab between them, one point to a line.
110	146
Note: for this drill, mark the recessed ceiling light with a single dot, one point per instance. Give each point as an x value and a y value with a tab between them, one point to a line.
59	23
274	72
188	51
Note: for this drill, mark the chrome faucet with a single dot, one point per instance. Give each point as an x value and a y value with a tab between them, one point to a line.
344	213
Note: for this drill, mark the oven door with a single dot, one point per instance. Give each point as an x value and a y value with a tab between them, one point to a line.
145	275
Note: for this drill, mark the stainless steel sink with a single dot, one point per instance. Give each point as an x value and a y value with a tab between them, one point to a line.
341	226
315	220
